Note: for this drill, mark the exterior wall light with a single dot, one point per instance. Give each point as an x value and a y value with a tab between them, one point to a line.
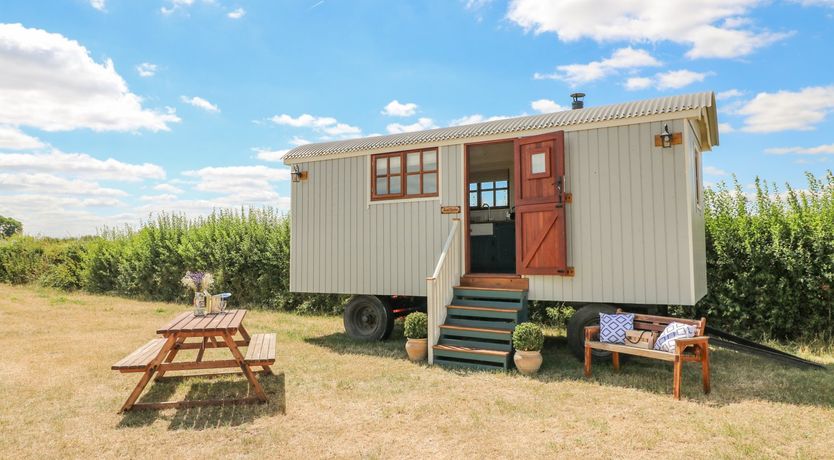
666	137
297	174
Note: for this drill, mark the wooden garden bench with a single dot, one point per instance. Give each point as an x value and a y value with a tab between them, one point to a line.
688	349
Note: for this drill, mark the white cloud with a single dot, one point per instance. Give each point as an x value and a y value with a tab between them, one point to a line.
168	188
14	139
788	110
176	5
637	83
476	4
818	150
672	79
712	28
725	128
546	106
679	78
270	155
396	109
623	58
236	14
713	171
50	82
729	94
158	198
829	3
296	141
146	69
61	216
100	5
327	125
420	125
200	103
245	180
40	182
476	118
81	165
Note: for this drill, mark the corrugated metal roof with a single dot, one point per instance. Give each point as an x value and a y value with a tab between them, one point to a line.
657	106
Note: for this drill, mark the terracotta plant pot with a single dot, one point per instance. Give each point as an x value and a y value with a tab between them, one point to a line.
417	349
527	362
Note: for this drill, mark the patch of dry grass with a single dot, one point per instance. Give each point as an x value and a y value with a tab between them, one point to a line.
333	397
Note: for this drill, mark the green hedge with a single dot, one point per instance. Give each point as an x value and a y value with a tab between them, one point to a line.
248	252
770	261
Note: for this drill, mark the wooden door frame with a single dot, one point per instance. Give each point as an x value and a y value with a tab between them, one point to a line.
468	260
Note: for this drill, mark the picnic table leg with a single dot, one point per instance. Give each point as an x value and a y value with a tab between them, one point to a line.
244	334
676	379
202	349
705	368
259	391
146	377
615	359
171	355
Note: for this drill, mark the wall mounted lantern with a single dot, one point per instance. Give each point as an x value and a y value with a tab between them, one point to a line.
297	174
667	139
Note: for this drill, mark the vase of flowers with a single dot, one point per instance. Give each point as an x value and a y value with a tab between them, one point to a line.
199	283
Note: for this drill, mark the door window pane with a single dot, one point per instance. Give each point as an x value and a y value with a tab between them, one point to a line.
382	186
430	160
394	185
430	183
537	165
473	186
412	162
381	166
412	184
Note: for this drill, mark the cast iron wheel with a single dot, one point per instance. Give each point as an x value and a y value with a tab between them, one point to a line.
587	316
368	318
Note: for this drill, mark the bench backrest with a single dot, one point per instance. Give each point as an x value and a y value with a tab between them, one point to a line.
658	323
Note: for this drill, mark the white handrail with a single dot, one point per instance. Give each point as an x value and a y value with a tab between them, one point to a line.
440	285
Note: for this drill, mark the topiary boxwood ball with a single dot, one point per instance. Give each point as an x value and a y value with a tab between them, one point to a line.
528	337
416	325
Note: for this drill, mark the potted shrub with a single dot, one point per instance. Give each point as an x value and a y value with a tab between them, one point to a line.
416	329
528	341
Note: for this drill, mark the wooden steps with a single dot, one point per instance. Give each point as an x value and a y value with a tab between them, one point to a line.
479	326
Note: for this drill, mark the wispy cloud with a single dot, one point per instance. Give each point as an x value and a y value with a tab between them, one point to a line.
327	125
672	79
818	150
146	69
397	109
236	13
785	110
419	125
200	103
623	58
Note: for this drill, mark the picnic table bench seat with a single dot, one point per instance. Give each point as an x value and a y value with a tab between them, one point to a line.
686	349
139	359
261	350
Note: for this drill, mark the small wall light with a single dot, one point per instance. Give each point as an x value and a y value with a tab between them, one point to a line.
666	137
297	174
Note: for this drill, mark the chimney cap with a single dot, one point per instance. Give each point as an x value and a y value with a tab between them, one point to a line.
577	101
577	95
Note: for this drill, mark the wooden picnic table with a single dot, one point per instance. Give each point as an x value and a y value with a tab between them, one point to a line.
210	331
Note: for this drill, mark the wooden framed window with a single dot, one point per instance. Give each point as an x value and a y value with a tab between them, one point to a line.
410	174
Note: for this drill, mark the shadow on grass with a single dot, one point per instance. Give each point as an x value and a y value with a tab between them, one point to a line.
220	387
736	377
342	344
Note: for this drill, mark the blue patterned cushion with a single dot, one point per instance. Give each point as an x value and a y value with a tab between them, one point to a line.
612	328
672	332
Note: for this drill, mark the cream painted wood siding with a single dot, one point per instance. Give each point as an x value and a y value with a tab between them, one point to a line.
631	222
344	243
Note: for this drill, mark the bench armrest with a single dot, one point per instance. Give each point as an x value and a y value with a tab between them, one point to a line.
684	343
591	332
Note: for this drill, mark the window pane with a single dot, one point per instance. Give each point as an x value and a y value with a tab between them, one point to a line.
537	163
394	186
473	199
382	186
430	160
381	166
412	162
501	184
501	198
473	186
487	199
430	183
394	165
412	184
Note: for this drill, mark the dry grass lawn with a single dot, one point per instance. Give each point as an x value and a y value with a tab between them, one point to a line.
332	397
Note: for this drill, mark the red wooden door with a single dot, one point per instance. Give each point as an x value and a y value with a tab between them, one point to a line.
541	239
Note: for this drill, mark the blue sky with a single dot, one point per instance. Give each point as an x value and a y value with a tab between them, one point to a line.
113	109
